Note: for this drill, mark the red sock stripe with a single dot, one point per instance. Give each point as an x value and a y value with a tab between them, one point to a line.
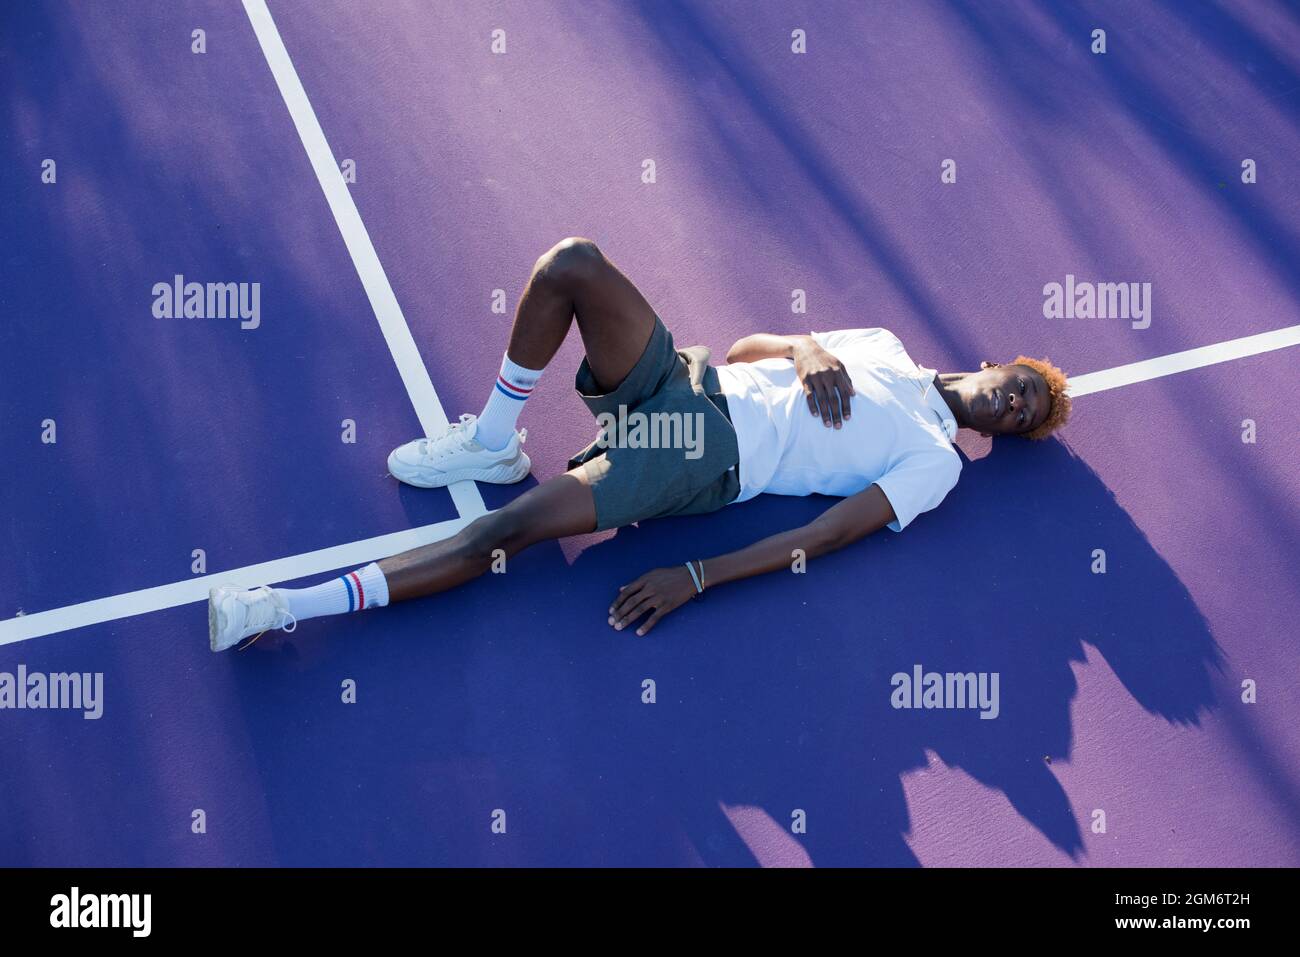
361	600
510	385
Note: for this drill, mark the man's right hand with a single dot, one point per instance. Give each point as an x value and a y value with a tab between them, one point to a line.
826	382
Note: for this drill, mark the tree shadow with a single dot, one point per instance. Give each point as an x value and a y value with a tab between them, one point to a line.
513	694
159	422
716	73
1133	88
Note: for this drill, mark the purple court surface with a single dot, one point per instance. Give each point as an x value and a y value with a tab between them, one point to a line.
383	167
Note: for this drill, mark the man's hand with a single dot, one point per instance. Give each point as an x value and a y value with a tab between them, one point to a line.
826	382
657	592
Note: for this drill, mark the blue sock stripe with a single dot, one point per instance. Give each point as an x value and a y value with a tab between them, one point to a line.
352	599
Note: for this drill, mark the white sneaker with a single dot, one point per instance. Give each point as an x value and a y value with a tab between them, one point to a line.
456	456
235	614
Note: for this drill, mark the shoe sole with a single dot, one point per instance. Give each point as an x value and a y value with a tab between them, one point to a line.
496	475
212	624
215	625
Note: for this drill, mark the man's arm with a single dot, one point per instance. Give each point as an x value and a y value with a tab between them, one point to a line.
660	591
766	345
826	383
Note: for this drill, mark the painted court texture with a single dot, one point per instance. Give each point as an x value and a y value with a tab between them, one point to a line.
1119	692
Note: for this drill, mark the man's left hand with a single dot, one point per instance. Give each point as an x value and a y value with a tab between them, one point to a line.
657	592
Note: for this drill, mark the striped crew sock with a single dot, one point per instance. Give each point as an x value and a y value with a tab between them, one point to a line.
496	423
363	588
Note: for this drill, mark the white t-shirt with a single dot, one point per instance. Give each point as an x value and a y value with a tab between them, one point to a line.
899	437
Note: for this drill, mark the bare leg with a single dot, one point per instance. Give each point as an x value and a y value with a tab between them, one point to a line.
556	508
574	278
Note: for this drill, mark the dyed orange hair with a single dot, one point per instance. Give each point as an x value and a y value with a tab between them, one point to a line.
1059	411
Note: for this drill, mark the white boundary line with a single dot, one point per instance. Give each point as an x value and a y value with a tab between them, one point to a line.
419	387
397	333
358	553
1183	361
351	555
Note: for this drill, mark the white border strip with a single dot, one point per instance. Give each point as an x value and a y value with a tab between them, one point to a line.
190	590
397	333
1184	361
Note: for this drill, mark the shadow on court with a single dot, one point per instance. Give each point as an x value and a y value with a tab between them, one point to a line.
773	693
161	420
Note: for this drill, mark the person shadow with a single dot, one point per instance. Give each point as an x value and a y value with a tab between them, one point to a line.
765	703
774	694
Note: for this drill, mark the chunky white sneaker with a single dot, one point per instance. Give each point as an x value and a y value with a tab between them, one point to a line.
235	613
456	456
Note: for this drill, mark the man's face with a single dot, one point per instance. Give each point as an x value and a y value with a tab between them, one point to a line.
1005	400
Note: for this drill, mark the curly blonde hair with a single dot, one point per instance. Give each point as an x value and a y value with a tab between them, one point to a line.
1059	411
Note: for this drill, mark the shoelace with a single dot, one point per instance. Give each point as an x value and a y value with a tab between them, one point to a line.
268	615
438	449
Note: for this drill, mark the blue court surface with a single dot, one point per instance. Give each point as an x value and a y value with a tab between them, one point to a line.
385	172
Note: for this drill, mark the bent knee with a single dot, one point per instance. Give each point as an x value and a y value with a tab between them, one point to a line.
572	260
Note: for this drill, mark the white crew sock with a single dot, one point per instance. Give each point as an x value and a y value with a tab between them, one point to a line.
496	423
363	588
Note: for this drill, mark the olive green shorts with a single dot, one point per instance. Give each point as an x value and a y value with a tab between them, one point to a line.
666	445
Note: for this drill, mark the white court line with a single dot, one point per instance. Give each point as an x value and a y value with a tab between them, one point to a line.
397	333
371	549
190	590
1183	361
420	389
